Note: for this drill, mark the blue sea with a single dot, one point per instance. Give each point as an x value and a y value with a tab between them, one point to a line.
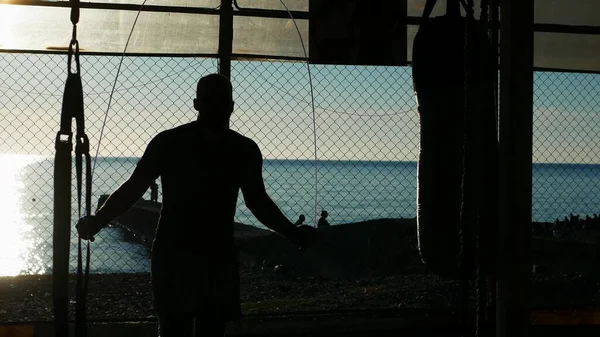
349	190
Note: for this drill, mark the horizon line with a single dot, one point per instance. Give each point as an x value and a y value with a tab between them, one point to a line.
310	160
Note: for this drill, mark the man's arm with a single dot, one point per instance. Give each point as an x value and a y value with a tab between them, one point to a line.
256	198
125	197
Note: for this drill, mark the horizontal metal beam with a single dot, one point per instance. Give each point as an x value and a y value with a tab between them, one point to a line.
115	6
235	57
268	13
85	53
566	29
561	70
263	13
537	27
258	57
272	13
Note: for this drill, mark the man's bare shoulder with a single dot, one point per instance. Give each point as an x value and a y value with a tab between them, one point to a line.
191	127
244	142
175	131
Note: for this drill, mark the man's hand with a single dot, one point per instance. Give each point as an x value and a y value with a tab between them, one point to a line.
88	226
304	236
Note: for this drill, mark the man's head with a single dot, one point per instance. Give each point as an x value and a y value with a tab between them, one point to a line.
214	100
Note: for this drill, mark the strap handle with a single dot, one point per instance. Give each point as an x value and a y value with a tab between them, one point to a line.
429	5
72	108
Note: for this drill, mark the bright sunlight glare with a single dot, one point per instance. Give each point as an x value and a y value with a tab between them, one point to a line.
9	16
14	244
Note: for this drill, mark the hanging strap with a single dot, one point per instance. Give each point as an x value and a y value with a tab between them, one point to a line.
429	5
72	108
452	9
82	152
62	216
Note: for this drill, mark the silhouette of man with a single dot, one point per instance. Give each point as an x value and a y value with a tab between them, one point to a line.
300	220
323	220
202	165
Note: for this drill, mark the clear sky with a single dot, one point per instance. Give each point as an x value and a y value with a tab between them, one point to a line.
361	113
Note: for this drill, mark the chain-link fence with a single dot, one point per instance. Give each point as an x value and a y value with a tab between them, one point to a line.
566	176
352	155
151	95
364	125
362	167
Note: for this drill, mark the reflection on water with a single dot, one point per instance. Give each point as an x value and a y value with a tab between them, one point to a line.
26	208
17	242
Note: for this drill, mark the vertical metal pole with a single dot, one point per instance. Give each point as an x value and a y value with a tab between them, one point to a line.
495	17
516	130
225	37
492	306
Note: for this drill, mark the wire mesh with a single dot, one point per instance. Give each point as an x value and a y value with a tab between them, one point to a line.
565	173
363	167
366	137
151	95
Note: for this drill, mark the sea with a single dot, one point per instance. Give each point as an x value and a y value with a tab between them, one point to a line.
349	191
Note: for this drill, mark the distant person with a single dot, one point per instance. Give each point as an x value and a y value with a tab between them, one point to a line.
323	220
154	192
577	223
573	221
202	166
587	223
300	220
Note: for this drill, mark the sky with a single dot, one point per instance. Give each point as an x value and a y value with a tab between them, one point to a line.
361	113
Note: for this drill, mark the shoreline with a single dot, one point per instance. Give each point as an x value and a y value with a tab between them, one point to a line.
380	247
339	275
371	265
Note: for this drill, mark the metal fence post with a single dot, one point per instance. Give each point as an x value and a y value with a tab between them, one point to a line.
225	37
516	144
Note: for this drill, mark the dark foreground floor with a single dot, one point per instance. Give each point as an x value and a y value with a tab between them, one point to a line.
408	325
123	297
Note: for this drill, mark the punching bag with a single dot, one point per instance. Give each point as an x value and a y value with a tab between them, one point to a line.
449	193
